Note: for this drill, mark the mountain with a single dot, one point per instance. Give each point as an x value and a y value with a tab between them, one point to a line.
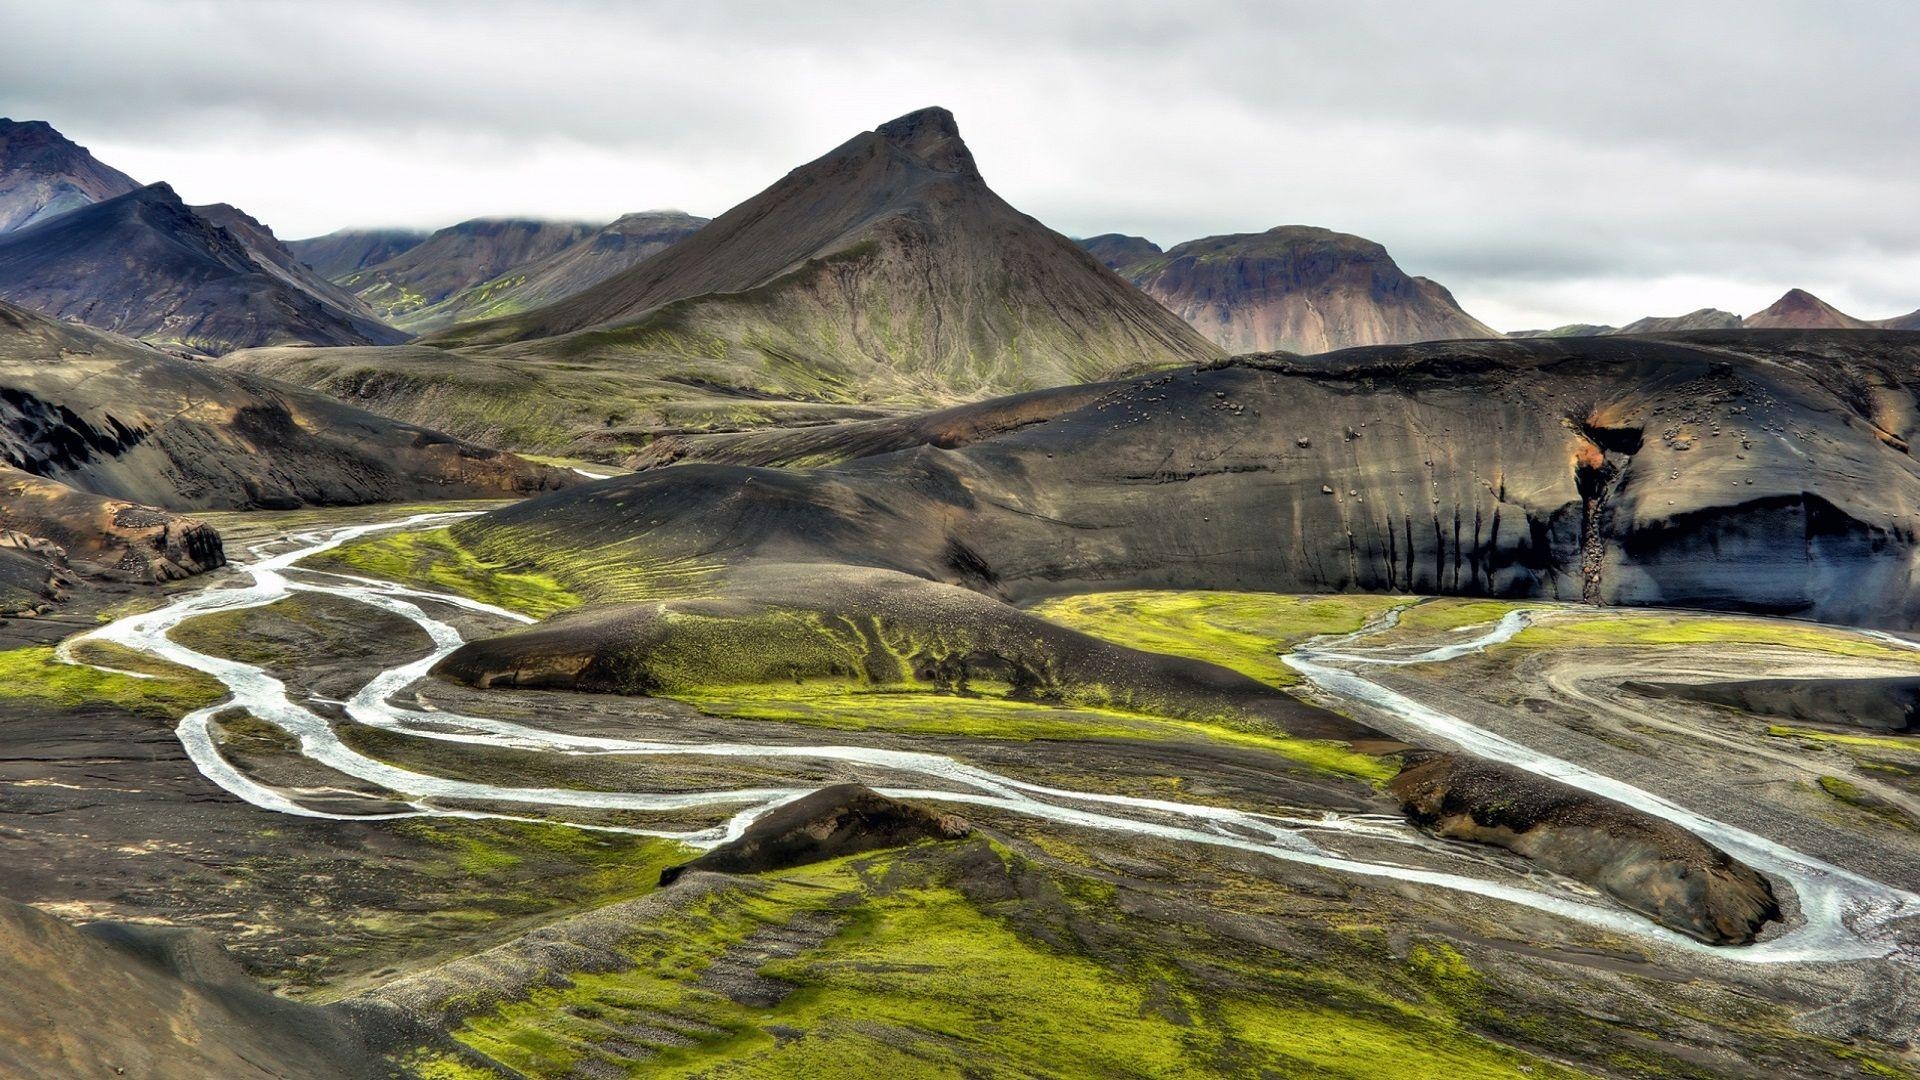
1296	288
572	269
883	277
886	269
146	265
456	258
43	174
1801	310
339	254
1118	251
280	261
1909	321
1703	319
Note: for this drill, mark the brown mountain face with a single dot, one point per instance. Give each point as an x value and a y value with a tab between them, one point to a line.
1909	321
1801	310
572	269
146	265
1299	289
43	174
886	269
456	258
339	254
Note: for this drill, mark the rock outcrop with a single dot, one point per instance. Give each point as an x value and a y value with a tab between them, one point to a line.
1654	867
845	819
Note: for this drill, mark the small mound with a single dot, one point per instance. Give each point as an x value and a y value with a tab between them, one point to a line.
1652	866
845	819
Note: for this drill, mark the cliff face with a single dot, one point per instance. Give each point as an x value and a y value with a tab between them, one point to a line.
1759	471
1295	289
884	270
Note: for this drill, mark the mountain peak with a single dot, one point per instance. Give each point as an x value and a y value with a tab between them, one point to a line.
1800	309
44	174
930	136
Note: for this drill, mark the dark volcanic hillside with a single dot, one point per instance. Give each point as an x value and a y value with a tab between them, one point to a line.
456	258
1296	289
98	432
1762	471
1119	251
109	416
43	174
146	265
885	270
572	269
338	254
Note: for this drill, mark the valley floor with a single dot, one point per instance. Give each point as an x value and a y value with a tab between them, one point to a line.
1142	895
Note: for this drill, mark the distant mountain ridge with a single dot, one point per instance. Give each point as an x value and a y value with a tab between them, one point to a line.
43	174
1797	309
338	254
401	289
1293	288
574	268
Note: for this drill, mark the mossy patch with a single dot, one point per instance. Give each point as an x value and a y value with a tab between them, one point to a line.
1243	631
432	558
924	980
33	673
1618	629
984	716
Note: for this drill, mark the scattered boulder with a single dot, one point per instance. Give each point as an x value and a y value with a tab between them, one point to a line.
1652	866
844	819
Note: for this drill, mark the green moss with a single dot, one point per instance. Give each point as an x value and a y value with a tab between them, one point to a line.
1615	629
433	558
1875	742
1243	631
993	717
32	673
922	981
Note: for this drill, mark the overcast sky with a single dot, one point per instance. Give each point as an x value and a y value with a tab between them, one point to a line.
1550	162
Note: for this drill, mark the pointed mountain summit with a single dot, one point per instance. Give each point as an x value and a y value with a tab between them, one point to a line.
43	174
146	265
886	270
573	269
339	254
1801	310
456	258
1297	288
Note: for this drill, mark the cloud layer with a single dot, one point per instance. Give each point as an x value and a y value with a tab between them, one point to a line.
1550	161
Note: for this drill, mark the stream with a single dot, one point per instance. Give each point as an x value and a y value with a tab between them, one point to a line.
1843	915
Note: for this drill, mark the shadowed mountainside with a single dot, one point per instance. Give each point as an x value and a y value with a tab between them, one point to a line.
43	174
573	269
146	265
1293	288
338	254
453	259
